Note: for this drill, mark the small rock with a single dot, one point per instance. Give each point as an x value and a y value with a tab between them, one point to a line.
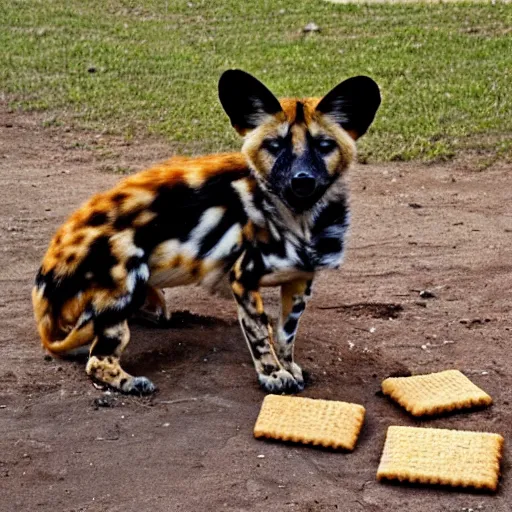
427	294
311	27
48	358
104	401
261	456
416	206
91	69
166	424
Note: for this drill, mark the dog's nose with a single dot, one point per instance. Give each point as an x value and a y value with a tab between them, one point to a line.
303	184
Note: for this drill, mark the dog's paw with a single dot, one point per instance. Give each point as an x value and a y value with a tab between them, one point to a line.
281	381
296	371
138	386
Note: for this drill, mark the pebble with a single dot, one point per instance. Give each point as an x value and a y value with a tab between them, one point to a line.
104	401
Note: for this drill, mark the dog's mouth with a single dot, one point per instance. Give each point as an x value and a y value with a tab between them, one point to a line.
299	195
300	204
297	201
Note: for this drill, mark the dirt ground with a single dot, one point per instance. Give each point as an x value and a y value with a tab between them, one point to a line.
445	229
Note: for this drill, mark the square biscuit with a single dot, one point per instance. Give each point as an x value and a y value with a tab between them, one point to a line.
326	423
439	456
435	393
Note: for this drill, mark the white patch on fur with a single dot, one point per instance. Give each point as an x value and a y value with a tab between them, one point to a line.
114	332
123	301
336	231
224	247
138	274
290	261
122	243
273	231
282	129
242	188
332	261
209	219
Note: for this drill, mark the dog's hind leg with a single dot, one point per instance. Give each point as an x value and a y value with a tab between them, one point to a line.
104	365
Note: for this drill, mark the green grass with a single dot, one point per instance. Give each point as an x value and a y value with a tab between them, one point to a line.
445	70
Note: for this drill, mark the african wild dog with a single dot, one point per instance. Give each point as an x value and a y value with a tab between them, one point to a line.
272	215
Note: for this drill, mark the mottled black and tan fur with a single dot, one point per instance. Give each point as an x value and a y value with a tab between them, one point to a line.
272	215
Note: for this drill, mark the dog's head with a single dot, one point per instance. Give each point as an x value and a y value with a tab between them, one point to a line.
298	147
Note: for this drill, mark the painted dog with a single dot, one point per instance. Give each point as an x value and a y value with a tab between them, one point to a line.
272	215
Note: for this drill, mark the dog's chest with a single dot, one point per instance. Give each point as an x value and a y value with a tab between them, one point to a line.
305	251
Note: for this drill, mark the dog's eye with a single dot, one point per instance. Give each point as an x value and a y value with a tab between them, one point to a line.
273	146
325	146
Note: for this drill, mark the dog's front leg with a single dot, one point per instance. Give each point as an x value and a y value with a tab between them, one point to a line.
258	330
294	296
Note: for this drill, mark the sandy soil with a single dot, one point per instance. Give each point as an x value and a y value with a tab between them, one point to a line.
445	229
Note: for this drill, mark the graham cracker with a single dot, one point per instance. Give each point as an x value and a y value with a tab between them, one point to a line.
326	423
435	393
440	456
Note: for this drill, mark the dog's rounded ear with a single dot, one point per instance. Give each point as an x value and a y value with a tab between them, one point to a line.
247	102
352	104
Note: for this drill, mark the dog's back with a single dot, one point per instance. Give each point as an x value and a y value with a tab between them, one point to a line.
164	226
